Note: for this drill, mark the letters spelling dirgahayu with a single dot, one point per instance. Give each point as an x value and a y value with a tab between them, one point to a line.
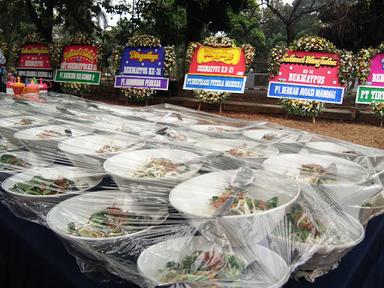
310	60
142	56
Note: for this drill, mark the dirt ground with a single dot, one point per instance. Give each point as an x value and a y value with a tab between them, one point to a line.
369	134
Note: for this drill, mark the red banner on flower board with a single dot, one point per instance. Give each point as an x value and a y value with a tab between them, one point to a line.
79	57
312	68
34	56
218	61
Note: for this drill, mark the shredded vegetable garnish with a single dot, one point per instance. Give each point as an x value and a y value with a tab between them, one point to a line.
304	229
41	186
203	266
8	161
110	148
47	134
110	222
243	205
243	151
24	122
317	174
160	167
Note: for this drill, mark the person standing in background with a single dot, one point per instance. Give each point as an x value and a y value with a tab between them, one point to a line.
3	61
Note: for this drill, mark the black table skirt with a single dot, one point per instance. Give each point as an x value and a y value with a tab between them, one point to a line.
32	256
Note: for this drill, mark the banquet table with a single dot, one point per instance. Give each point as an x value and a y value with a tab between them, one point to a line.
32	256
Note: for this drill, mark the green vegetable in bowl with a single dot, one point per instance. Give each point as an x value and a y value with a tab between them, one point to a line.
243	205
203	266
303	228
41	186
9	162
110	222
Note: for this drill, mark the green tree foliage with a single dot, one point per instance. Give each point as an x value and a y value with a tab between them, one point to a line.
246	28
291	15
14	25
353	24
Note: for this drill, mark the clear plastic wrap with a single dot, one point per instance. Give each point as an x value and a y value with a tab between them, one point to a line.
165	195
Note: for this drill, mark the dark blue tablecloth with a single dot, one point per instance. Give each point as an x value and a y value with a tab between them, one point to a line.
32	256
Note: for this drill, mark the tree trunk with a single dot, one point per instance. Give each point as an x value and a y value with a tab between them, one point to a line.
194	26
44	20
290	33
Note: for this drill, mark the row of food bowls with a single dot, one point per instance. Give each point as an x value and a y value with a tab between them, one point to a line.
193	197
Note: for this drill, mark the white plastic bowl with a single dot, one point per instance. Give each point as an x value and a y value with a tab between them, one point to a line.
224	145
34	160
172	120
290	164
192	198
285	136
341	149
80	177
10	125
47	147
122	166
83	151
6	145
78	210
270	272
112	124
215	129
325	255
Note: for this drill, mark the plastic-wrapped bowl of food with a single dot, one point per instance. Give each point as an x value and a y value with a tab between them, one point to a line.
10	125
16	161
199	263
332	174
342	149
254	212
216	130
50	185
316	169
112	124
325	236
44	140
238	148
107	218
91	151
6	145
151	168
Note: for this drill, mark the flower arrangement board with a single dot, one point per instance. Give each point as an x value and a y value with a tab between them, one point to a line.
373	90
34	61
308	75
142	67
219	69
79	65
